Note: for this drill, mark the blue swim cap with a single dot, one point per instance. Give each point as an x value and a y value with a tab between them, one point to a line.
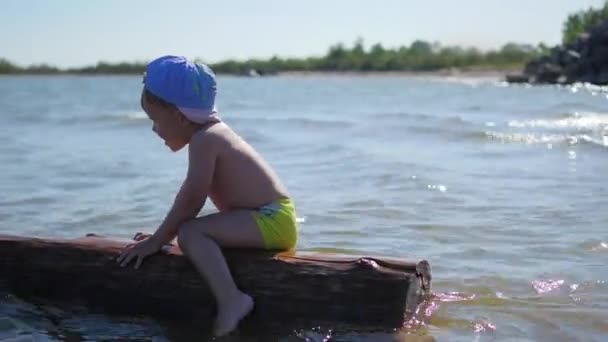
190	86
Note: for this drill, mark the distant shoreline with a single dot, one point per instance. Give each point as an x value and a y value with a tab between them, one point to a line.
479	73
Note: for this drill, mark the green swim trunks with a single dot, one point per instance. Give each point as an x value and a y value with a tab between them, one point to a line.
277	223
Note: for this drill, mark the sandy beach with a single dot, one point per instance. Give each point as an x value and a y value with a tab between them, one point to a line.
454	73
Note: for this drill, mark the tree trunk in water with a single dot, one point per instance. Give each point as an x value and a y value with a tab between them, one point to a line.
305	289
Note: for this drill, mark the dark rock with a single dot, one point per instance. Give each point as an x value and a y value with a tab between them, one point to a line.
571	57
599	54
602	77
602	38
583	37
572	71
517	78
556	56
599	30
588	77
548	73
586	67
581	41
532	67
583	60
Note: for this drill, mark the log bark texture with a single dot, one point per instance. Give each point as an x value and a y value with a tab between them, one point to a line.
288	288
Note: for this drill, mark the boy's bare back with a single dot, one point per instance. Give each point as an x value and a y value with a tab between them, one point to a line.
241	177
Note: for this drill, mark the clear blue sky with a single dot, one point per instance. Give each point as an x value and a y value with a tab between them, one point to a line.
82	32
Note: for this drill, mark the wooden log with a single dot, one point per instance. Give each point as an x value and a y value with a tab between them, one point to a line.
298	288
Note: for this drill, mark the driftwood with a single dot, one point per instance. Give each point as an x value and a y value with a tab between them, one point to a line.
288	288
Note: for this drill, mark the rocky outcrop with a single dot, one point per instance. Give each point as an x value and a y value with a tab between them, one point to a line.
583	60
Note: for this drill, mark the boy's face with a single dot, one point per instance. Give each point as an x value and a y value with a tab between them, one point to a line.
167	123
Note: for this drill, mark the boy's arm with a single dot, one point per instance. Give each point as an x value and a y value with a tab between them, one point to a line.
192	195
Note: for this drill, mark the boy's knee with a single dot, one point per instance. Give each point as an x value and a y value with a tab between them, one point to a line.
184	234
192	230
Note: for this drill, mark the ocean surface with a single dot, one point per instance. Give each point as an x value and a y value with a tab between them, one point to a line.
502	188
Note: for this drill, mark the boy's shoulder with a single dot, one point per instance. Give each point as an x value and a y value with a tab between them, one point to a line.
213	136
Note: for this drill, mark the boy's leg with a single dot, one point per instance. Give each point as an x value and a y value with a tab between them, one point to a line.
201	239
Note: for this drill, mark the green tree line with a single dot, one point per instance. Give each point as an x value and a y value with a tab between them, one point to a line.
8	67
582	21
418	56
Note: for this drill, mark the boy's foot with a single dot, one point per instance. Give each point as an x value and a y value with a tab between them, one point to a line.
229	316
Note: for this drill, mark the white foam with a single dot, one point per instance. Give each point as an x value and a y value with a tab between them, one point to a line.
549	139
589	87
528	138
136	115
578	121
440	187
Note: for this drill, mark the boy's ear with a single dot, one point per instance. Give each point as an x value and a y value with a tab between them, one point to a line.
181	118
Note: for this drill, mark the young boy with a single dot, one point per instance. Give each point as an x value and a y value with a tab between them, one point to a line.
255	210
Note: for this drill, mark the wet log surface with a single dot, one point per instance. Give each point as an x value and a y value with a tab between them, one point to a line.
288	288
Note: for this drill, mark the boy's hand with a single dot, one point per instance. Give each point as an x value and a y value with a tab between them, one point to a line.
141	236
139	250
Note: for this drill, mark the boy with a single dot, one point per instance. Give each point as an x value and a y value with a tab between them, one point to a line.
255	210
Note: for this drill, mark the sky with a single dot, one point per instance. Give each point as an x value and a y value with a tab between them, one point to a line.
83	32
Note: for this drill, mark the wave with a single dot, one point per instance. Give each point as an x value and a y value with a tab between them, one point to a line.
591	88
577	121
540	138
417	116
577	128
140	116
575	87
136	116
298	122
79	118
446	126
118	117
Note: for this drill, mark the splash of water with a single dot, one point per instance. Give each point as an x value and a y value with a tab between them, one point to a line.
484	326
427	308
577	121
316	334
546	286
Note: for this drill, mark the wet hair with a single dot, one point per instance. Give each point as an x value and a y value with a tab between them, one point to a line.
153	99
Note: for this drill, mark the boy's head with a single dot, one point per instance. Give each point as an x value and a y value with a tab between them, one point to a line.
177	94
